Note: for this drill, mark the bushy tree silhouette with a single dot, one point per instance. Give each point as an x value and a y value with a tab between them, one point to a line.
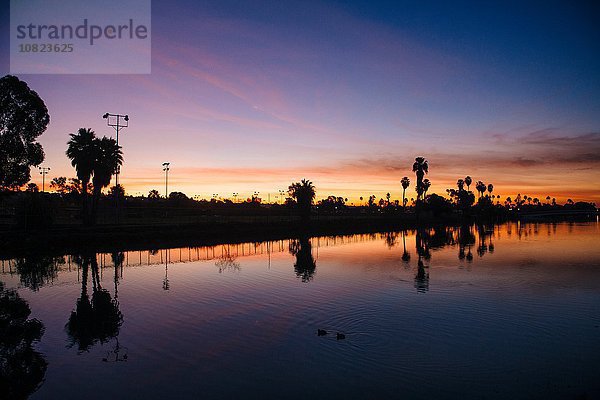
23	118
304	194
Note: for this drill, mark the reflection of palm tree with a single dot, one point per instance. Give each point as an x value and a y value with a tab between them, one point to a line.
22	369
405	254
405	183
465	240
422	277
35	271
227	262
305	265
390	239
95	320
482	247
422	245
420	167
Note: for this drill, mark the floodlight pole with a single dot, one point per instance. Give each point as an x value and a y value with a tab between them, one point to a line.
166	168
43	172
114	120
117	125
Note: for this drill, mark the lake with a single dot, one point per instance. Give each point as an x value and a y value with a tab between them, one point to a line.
472	312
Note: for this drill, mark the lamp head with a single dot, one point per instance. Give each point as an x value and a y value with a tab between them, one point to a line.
127	118
105	116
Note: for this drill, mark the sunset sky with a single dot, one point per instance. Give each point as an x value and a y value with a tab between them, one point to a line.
250	96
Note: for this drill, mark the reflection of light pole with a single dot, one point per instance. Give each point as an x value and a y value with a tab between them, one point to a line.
166	168
166	285
43	173
281	195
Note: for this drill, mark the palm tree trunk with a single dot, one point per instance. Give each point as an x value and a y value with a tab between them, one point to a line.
95	201
84	209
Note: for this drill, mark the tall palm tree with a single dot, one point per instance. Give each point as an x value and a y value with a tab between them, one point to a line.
490	188
304	193
468	181
81	152
420	167
108	157
405	183
461	185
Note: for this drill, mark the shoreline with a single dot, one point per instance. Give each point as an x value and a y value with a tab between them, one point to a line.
72	239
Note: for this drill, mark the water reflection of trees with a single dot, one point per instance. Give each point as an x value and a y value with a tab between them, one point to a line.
22	369
37	270
305	264
97	319
432	238
227	262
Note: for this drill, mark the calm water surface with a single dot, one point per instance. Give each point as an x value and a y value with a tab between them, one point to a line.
494	312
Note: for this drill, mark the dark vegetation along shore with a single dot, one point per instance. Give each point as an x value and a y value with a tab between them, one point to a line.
86	212
194	226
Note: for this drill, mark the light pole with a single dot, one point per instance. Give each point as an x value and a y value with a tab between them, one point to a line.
43	172
281	195
166	168
114	120
235	196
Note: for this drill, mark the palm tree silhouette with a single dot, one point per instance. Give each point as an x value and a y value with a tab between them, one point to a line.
405	183
420	167
426	186
460	184
304	194
108	158
481	188
490	188
468	181
81	152
153	194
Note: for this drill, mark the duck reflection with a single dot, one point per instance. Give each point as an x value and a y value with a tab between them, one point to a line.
22	369
95	320
305	264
